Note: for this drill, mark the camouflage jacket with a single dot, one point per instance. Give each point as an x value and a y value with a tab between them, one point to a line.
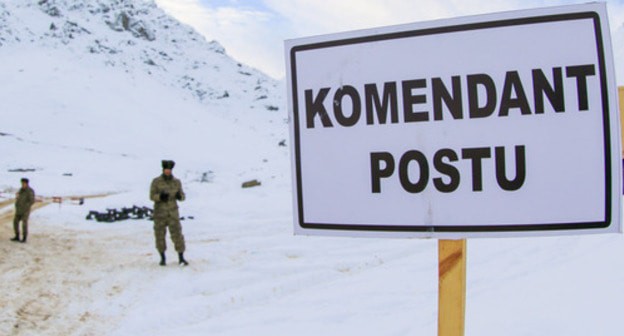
170	186
25	199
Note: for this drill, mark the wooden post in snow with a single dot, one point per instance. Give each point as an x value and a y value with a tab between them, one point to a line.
451	287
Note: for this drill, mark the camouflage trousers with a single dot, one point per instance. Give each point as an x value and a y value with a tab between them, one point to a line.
23	217
175	230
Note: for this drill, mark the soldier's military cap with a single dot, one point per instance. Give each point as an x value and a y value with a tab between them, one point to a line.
168	164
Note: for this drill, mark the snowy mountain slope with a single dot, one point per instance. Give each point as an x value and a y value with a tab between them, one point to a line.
137	37
100	111
121	78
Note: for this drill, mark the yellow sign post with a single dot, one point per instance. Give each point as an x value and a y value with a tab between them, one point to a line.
451	287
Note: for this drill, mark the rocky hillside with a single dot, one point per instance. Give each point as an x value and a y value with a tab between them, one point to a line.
137	37
91	86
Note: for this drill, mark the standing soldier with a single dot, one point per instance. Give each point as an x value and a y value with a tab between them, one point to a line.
24	199
165	191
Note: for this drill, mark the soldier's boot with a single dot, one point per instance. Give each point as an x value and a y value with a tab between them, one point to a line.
16	238
23	239
163	261
182	261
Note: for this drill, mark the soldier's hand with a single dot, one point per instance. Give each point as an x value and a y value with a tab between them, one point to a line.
178	195
164	197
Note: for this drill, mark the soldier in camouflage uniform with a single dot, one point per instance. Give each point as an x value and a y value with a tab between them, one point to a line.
24	199
165	191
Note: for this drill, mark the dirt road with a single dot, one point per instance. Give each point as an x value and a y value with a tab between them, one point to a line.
59	282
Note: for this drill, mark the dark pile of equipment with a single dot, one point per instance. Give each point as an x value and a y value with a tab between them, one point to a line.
114	215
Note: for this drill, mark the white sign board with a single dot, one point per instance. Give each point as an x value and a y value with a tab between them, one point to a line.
495	125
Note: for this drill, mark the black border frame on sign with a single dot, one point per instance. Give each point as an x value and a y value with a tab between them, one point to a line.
449	29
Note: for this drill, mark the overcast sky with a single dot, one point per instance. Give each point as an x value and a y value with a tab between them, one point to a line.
253	31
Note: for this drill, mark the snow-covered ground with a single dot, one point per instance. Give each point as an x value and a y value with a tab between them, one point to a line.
77	125
249	275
